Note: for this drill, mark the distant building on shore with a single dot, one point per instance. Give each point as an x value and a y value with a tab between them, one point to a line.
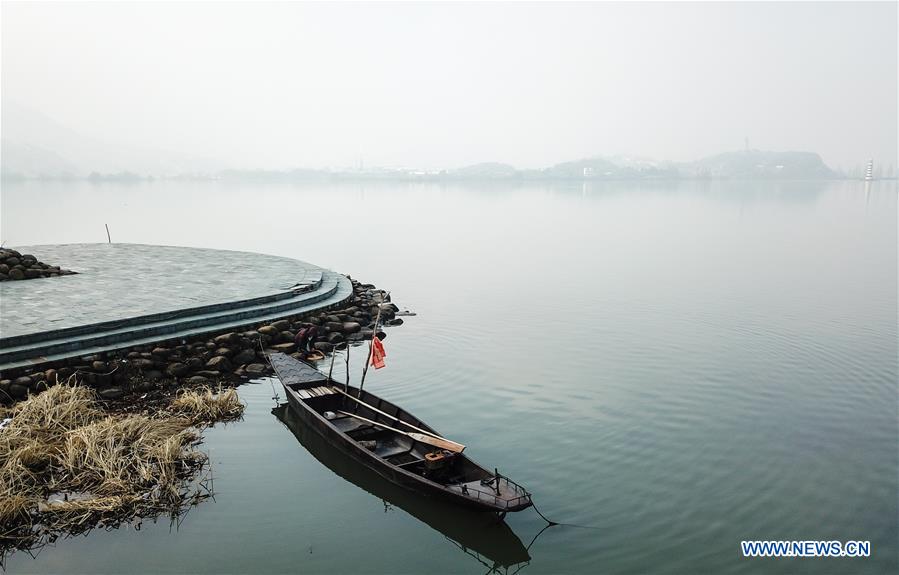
869	171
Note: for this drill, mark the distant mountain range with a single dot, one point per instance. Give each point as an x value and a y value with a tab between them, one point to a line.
747	164
35	147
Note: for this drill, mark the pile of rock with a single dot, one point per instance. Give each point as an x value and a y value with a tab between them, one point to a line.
226	357
16	266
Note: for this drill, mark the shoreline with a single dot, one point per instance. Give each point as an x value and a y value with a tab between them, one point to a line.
230	356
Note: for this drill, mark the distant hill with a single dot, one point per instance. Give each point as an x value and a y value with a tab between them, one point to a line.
607	168
750	164
35	146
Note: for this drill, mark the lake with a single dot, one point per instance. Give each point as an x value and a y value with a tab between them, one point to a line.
679	366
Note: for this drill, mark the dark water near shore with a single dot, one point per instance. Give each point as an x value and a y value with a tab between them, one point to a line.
682	366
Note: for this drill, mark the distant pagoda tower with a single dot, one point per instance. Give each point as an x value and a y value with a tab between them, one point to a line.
869	171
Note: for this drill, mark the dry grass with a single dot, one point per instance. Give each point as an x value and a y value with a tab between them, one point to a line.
120	466
203	406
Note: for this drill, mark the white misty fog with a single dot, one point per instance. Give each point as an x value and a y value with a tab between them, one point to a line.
204	86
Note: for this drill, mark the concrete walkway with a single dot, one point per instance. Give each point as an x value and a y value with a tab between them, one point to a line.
130	294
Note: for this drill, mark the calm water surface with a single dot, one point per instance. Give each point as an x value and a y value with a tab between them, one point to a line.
682	366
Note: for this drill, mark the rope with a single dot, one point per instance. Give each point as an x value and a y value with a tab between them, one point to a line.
275	395
554	523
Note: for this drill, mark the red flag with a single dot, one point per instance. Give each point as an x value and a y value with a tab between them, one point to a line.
377	353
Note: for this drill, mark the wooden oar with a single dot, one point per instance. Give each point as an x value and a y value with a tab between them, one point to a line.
375	409
441	443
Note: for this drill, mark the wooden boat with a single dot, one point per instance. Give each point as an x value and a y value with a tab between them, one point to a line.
479	534
392	442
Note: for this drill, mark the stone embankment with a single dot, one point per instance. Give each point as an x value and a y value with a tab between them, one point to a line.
17	266
230	357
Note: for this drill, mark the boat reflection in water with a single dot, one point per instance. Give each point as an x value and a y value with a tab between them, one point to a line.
482	535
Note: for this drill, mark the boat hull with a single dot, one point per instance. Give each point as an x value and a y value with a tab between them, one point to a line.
304	385
314	421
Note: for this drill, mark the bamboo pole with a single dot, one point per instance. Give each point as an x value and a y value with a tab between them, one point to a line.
346	386
331	369
370	342
384	413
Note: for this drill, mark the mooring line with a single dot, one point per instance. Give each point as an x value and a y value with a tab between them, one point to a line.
271	380
552	523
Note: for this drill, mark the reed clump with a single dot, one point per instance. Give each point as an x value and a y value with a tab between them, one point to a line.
67	465
202	405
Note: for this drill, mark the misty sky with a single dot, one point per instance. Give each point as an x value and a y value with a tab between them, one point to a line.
439	85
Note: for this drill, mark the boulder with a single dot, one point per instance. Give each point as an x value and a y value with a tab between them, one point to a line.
335	337
244	356
194	363
4	269
269	330
197	379
144	386
177	369
160	352
334	326
16	274
32	273
284	347
281	325
51	376
351	327
18	391
153	375
24	381
142	363
226	338
112	393
255	369
99	366
209	374
219	363
323	346
286	336
12	261
223	351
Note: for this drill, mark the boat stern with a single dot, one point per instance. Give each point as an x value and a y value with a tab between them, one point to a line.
496	492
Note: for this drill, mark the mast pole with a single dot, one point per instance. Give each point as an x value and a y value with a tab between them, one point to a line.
370	342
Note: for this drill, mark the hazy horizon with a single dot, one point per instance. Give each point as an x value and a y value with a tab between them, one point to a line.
282	86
